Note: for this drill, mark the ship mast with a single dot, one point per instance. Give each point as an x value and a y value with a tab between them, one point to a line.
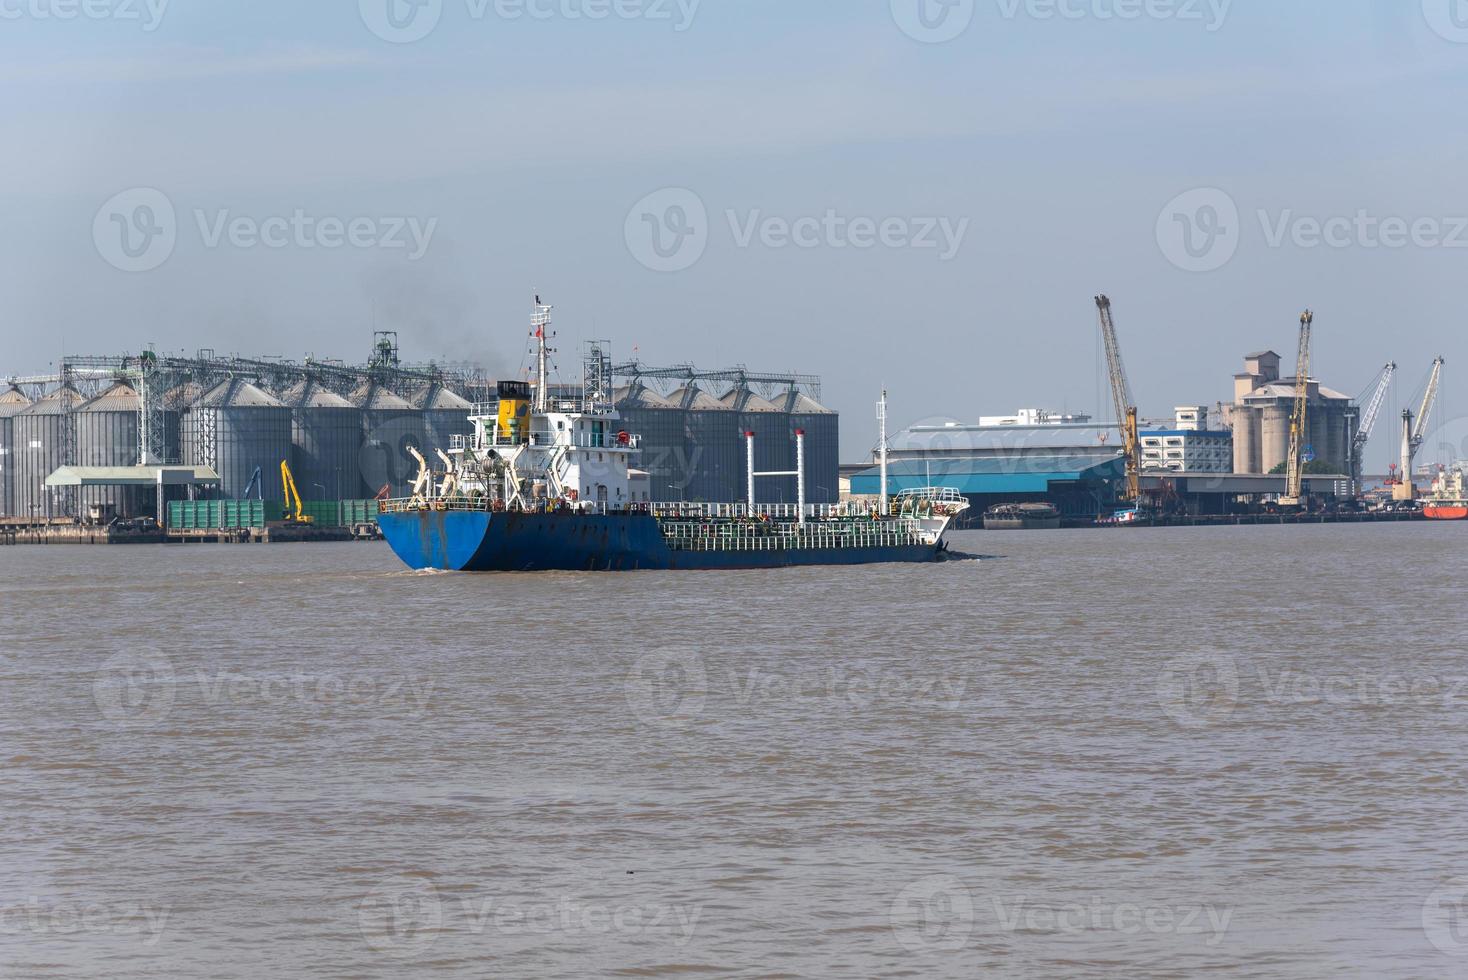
540	320
882	446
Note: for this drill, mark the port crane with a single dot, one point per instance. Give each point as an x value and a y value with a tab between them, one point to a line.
1414	431
1367	424
1294	494
1126	405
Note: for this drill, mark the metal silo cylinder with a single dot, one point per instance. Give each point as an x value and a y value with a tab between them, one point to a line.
665	452
713	464
444	415
1246	447
12	403
107	435
40	441
822	446
326	443
774	448
234	428
1276	445
389	426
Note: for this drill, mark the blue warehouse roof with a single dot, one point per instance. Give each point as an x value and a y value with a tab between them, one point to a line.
988	475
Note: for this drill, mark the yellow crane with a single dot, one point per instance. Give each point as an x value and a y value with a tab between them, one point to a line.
294	508
1126	405
1294	494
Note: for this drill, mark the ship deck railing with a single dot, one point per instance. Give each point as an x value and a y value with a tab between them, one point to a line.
822	535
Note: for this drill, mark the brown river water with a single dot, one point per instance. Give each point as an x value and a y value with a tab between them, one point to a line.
1233	752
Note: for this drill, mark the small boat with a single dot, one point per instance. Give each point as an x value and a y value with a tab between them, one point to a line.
1022	517
1447	501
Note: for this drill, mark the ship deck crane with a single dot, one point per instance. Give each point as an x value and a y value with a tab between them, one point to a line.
1126	405
1414	431
1367	424
1294	494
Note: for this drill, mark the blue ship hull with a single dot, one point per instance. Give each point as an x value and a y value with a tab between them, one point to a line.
477	541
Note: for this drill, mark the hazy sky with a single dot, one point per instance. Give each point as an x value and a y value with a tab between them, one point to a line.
827	186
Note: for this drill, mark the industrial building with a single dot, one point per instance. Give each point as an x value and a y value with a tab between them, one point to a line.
160	427
1074	466
1188	446
1260	419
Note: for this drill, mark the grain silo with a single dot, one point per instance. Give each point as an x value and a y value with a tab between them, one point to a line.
444	415
712	469
326	442
822	429
774	446
107	434
661	425
389	426
12	403
235	427
41	439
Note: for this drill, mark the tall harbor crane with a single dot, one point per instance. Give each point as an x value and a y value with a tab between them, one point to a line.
1294	494
1413	432
1367	425
1126	405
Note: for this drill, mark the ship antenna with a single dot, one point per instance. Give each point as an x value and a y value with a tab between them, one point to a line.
540	320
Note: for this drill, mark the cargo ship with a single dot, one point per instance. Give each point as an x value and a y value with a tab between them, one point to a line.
1447	501
543	483
1022	517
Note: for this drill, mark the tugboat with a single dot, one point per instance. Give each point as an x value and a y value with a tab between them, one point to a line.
1447	501
543	485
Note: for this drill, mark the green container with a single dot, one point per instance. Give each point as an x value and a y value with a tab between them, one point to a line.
229	515
359	511
323	513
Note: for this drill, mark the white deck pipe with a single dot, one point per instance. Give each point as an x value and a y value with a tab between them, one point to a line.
800	472
749	442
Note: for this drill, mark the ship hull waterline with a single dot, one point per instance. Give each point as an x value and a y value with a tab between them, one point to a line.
478	541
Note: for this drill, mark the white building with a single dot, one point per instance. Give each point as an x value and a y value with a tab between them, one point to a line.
1189	446
1032	416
